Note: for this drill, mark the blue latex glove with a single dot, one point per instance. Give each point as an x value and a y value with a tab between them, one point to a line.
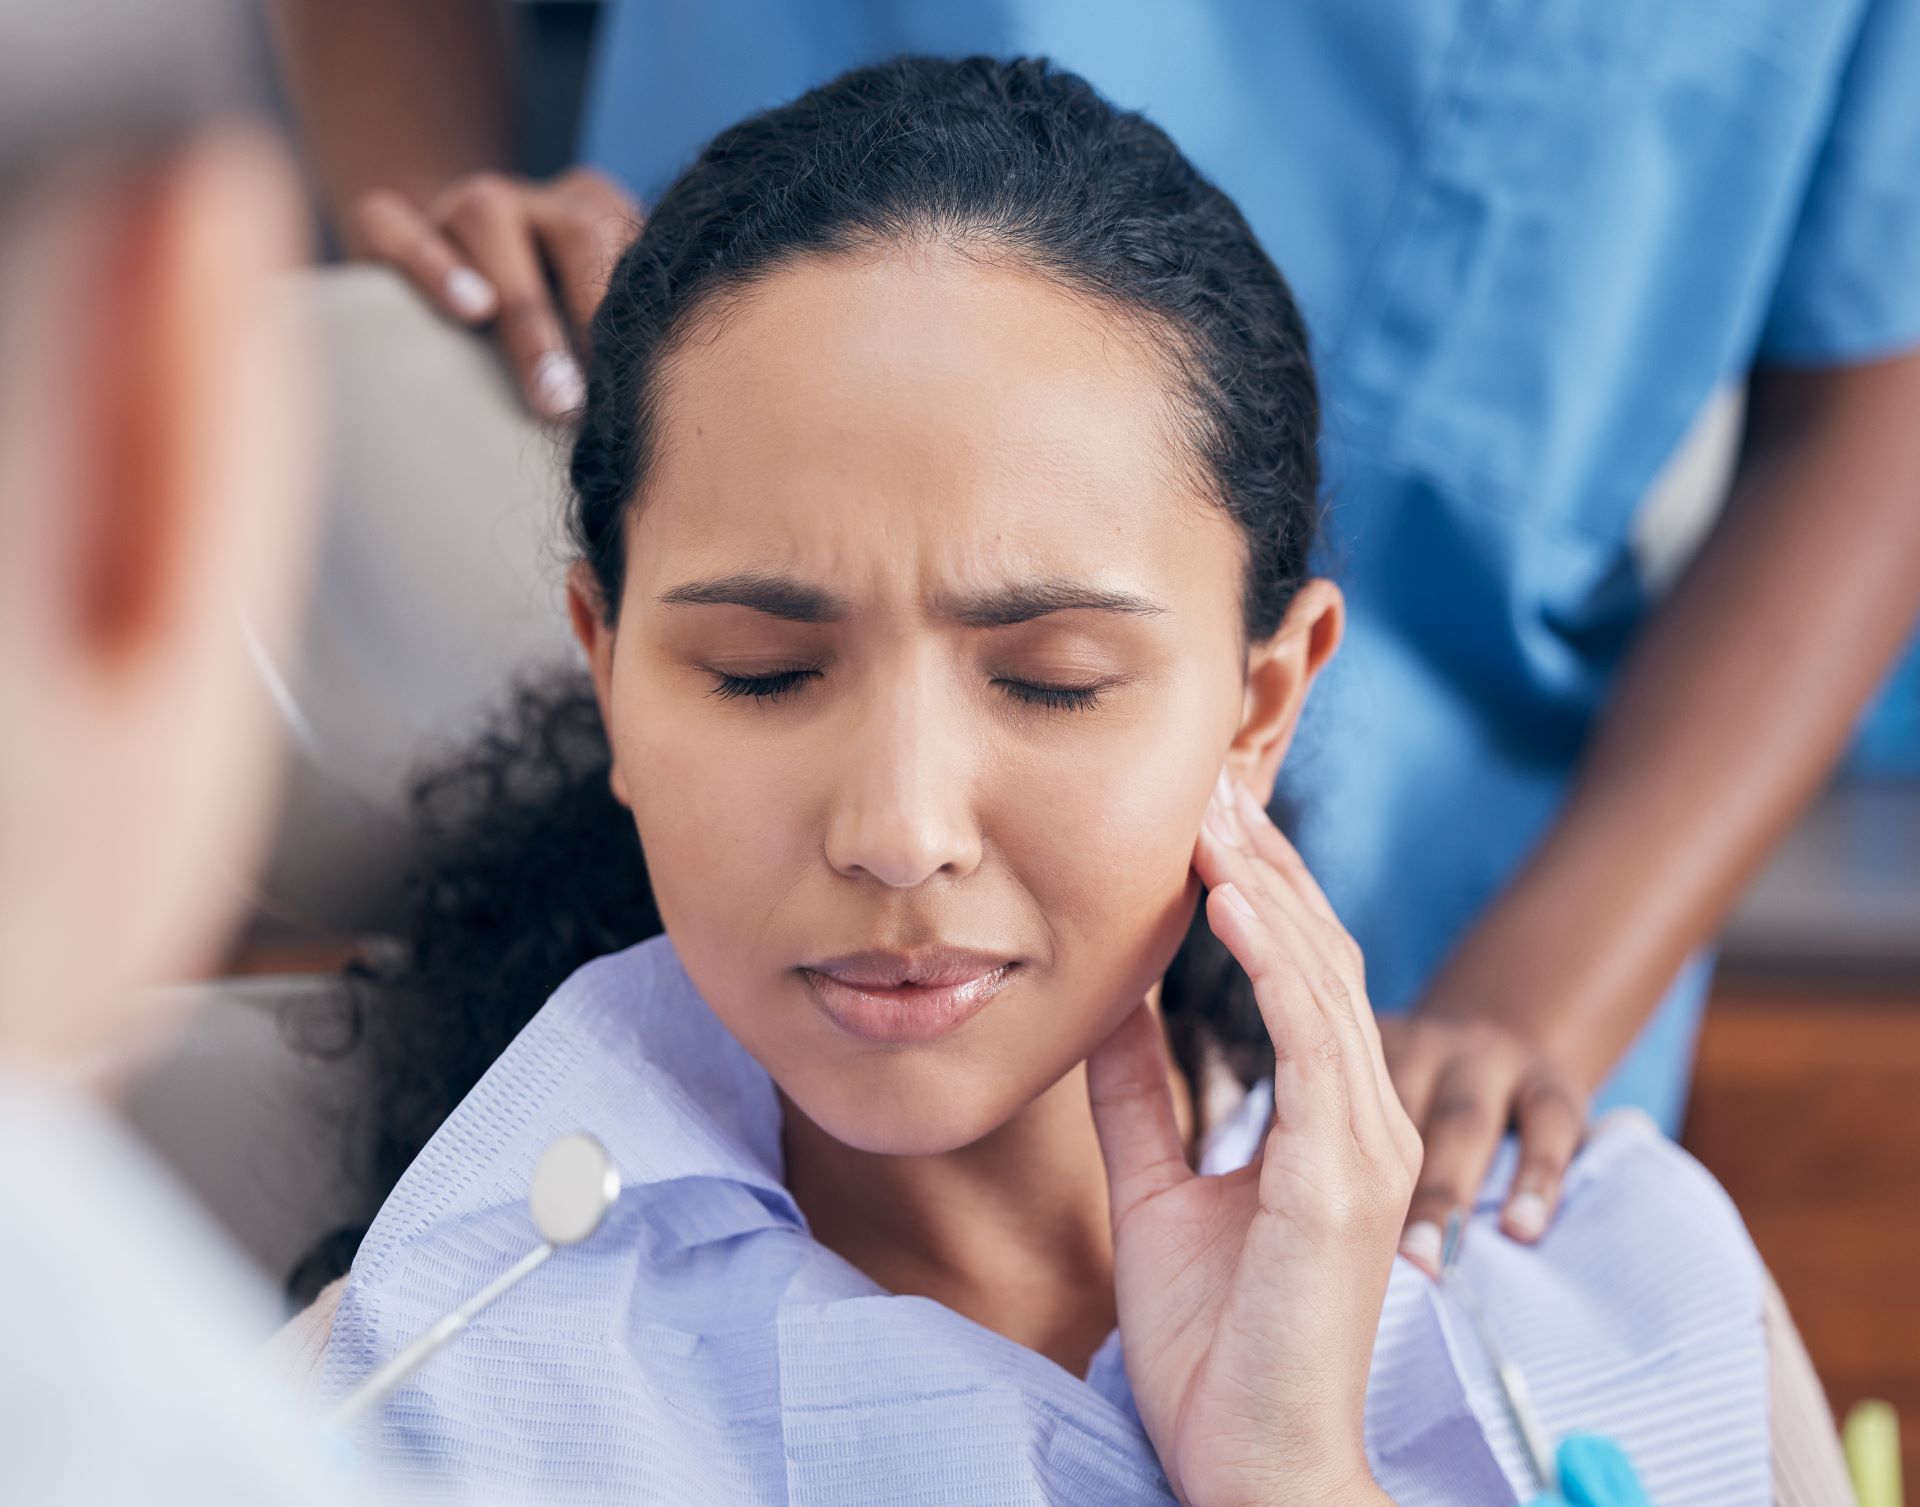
1594	1472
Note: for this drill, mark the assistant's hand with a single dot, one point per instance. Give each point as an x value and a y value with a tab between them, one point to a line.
492	249
1464	1080
1249	1302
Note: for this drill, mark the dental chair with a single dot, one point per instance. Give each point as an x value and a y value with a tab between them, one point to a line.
438	578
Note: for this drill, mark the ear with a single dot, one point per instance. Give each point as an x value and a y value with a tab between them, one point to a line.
139	513
587	611
1279	673
187	413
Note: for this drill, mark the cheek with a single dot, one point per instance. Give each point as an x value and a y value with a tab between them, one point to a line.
709	813
1105	844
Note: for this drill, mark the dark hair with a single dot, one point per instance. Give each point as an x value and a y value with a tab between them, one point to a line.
530	866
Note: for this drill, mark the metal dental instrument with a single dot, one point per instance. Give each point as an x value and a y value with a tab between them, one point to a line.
573	1187
1513	1385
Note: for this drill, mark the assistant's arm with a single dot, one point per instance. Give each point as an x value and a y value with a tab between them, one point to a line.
404	96
1729	713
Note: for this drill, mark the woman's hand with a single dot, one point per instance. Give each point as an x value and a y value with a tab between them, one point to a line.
1249	1302
484	253
1463	1081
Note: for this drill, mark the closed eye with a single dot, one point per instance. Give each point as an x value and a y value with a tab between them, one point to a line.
1062	698
760	687
772	687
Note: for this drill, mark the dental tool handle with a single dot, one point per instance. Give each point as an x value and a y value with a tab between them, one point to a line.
1526	1419
375	1388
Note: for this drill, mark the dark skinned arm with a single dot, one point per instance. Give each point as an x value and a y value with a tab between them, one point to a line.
403	96
1728	715
409	118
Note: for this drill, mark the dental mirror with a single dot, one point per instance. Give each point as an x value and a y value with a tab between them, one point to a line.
573	1186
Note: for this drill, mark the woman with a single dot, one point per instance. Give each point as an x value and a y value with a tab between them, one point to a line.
943	501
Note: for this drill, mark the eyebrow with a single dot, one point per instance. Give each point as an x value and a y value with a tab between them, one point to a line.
799	602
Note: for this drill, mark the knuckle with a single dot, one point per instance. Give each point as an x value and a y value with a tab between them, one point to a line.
364	213
372	215
1545	1092
568	222
1413	1150
477	195
1336	989
583	178
524	314
1479	1036
1461	1111
1331	1206
1389	1179
1435	1194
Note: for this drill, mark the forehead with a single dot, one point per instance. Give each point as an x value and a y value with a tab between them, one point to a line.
922	416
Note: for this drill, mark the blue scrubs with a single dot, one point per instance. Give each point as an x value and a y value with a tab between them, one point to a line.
1532	239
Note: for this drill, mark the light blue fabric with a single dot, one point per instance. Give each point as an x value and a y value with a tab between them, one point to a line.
1531	238
128	1325
703	1347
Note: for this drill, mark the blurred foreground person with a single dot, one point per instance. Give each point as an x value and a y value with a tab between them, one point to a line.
151	516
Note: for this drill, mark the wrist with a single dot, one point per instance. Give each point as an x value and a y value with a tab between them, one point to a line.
1350	1487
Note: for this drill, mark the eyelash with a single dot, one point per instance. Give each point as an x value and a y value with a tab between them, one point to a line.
770	688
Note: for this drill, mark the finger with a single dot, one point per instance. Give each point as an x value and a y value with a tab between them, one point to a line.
486	216
1277	849
1133	1113
583	229
1340	951
386	228
1274	848
1308	1049
1552	1117
1244	825
1413	1065
1337	998
1462	1129
1414	1062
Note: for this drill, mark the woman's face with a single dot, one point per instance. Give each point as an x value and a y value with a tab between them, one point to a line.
929	642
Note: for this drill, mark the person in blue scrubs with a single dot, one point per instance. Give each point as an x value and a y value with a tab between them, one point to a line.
1535	244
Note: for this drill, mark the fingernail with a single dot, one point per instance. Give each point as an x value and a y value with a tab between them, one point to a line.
468	293
1231	894
1526	1215
558	387
1222	788
1421	1245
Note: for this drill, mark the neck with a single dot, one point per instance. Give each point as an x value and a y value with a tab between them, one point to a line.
1012	1230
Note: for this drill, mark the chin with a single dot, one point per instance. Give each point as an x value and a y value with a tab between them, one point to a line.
905	1116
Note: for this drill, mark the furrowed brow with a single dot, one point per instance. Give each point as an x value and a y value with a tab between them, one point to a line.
1000	607
1026	600
777	596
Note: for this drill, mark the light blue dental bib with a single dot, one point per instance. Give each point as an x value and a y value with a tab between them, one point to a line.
704	1348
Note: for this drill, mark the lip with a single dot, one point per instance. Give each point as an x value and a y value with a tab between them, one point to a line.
899	998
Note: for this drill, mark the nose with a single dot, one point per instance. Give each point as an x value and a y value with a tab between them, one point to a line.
903	787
